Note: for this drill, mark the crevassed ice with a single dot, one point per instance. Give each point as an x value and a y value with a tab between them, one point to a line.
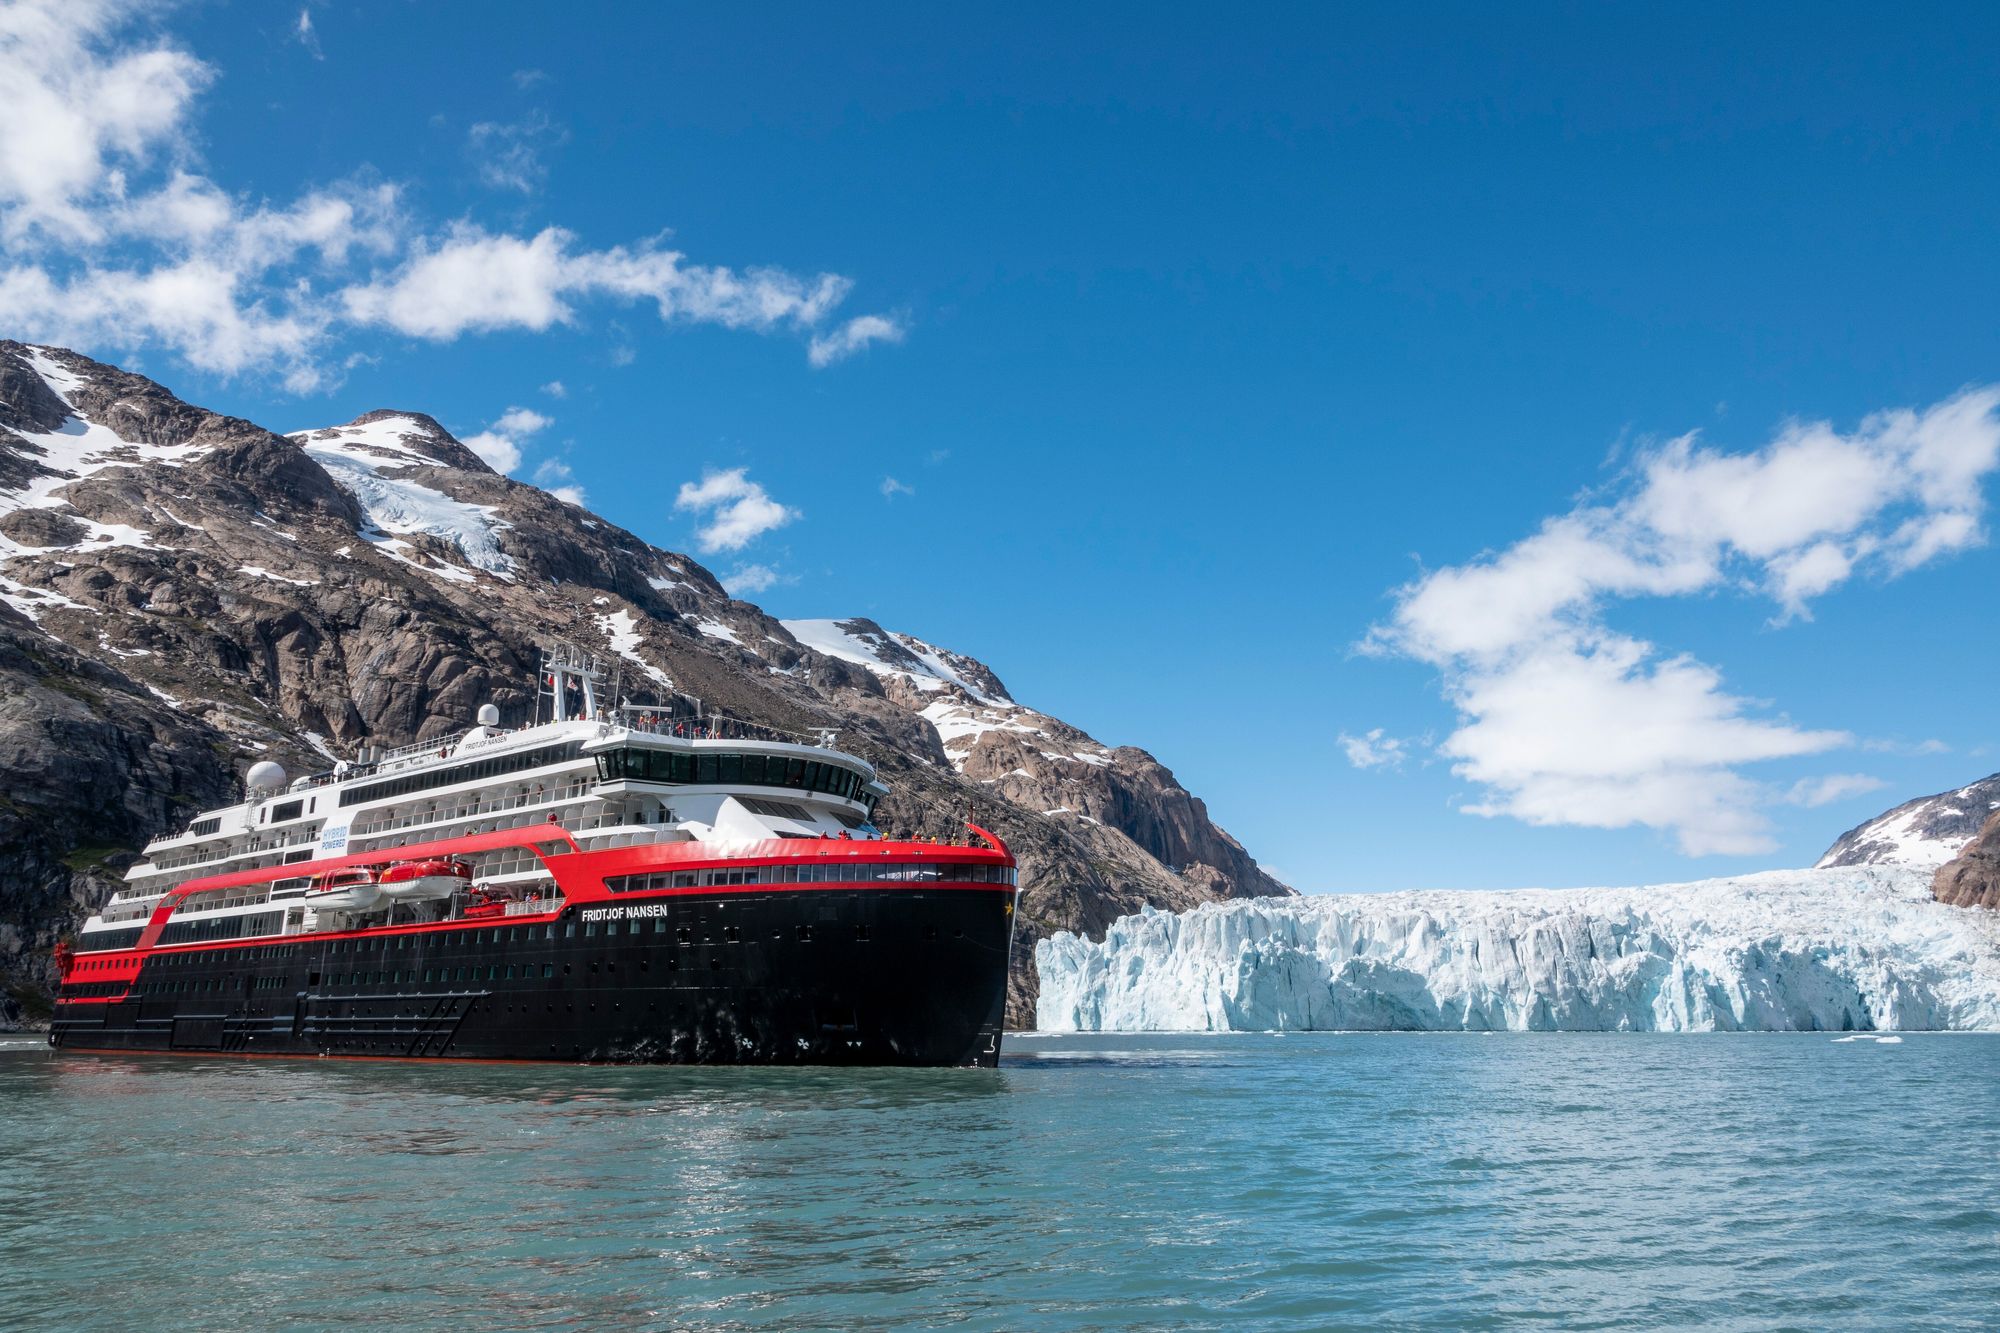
1798	950
397	505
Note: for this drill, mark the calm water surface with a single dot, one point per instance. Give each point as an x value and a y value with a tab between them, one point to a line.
1090	1183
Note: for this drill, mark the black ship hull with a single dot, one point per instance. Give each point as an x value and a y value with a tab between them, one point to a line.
801	976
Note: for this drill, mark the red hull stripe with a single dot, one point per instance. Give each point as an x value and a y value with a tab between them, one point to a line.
117	960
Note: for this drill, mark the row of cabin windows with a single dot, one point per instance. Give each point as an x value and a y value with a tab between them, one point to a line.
824	872
223	928
478	770
123	938
432	975
710	768
208	985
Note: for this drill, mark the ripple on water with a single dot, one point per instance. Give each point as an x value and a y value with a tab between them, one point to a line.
1091	1183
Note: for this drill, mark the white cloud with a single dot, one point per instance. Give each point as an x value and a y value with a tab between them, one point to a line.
851	337
554	475
304	35
891	488
752	579
522	421
1815	792
117	241
525	79
508	156
1374	749
81	115
739	511
555	389
1564	720
499	453
500	444
477	281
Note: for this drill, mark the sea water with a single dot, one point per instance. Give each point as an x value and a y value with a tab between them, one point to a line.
1169	1182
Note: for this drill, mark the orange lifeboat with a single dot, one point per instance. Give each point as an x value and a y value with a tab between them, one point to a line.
351	889
415	881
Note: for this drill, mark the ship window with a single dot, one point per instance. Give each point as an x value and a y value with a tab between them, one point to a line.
548	970
289	810
729	769
705	767
753	770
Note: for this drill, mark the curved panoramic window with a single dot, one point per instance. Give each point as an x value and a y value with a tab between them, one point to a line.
732	770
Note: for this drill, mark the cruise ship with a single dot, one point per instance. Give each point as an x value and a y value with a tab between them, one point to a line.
609	883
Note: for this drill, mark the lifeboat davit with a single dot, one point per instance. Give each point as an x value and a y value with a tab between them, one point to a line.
417	881
354	889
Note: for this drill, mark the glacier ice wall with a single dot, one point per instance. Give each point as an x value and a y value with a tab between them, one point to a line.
1861	947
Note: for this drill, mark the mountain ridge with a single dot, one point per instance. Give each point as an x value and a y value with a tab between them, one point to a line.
1925	831
293	596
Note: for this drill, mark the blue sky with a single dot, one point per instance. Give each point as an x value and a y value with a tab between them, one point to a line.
1212	355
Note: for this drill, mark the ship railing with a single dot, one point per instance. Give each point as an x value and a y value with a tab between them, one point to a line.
697	725
207	854
568	791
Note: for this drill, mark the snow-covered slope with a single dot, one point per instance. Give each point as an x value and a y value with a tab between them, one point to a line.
1860	948
958	695
371	459
1928	831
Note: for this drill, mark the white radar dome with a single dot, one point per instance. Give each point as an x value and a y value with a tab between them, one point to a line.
265	776
489	716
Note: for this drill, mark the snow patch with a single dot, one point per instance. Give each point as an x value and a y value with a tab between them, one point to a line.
715	629
1863	948
258	571
77	449
622	631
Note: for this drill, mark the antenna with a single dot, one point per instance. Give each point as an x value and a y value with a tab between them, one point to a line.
572	680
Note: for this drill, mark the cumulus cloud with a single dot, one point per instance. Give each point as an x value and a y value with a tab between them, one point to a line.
752	579
1566	720
1374	748
555	389
851	337
500	444
554	475
474	280
738	510
112	236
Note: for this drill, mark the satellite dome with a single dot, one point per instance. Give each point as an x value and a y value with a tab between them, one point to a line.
489	716
265	776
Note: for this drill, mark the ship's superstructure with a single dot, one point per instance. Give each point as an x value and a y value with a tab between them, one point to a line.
608	882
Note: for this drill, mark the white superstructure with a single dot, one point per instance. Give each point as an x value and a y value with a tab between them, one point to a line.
610	778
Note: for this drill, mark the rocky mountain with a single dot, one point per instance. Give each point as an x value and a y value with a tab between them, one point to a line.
1972	878
183	593
1928	831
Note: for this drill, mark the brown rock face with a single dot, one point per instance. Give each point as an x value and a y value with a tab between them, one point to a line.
1973	878
184	593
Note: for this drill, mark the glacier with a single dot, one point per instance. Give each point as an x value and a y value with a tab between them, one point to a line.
1861	948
